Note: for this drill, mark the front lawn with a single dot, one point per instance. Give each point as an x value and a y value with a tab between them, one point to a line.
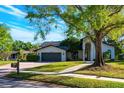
114	69
119	65
6	62
68	81
57	66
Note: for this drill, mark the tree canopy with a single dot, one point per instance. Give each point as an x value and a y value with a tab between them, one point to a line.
95	22
72	43
5	38
20	45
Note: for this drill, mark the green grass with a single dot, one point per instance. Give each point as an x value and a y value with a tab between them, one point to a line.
115	70
6	62
57	66
119	65
68	81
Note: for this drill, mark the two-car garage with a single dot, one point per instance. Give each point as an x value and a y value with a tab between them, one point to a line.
51	57
51	54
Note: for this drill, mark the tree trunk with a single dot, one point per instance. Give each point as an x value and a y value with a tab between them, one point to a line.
99	61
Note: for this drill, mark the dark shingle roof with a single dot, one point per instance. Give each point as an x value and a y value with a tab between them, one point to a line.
52	43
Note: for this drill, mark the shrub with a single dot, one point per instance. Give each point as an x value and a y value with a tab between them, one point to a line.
32	57
107	55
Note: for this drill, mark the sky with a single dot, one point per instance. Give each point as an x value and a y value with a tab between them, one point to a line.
20	28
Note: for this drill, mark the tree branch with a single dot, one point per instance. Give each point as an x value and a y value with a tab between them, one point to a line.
111	26
116	11
89	35
107	31
79	8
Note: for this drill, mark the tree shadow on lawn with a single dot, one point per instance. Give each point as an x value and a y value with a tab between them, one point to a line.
25	76
91	67
21	76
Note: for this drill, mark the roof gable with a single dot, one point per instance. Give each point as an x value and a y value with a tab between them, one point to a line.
103	42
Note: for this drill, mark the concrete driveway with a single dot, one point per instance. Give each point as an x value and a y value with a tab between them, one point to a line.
5	69
14	83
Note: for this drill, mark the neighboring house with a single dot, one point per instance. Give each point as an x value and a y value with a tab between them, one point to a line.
14	54
53	51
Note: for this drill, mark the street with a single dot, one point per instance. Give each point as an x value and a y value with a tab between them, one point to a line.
13	83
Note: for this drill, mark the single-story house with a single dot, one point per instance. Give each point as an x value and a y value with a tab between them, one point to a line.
53	51
14	54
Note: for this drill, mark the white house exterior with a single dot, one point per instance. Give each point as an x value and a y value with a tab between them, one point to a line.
52	51
88	49
49	52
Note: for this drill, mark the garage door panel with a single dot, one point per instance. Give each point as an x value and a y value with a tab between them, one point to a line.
51	57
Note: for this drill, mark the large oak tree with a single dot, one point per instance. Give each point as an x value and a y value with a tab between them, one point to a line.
95	22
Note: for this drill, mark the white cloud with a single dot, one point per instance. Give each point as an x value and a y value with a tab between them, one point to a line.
25	35
16	10
22	35
17	27
13	11
55	36
1	22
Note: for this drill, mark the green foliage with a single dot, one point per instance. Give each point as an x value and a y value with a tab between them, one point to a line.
107	54
80	20
20	45
6	39
95	22
32	57
6	42
41	18
21	56
68	81
72	43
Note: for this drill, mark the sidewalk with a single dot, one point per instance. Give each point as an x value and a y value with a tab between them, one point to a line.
77	76
68	72
74	68
93	77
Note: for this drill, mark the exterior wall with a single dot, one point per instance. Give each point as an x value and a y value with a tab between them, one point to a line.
69	56
80	54
52	49
106	48
92	53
